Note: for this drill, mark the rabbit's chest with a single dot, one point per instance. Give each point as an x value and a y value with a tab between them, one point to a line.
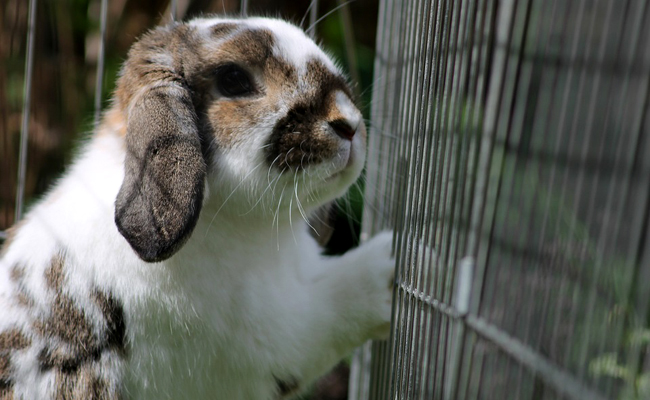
220	332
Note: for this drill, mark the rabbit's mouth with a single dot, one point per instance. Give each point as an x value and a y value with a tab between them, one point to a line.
345	160
340	171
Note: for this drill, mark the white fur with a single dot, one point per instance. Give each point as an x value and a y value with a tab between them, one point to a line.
247	299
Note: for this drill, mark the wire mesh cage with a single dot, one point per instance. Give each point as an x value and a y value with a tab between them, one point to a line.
509	151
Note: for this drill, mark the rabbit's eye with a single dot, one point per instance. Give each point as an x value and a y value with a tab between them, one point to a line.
233	81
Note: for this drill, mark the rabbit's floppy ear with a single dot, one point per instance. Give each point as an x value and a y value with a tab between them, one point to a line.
161	196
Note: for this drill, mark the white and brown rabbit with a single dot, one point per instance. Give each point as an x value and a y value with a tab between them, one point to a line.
173	260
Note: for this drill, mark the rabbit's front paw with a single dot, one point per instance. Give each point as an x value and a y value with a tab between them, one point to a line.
378	265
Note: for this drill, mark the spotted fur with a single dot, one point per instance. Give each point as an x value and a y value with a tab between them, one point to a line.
70	345
173	259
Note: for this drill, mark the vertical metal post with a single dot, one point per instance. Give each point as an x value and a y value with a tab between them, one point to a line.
350	50
313	16
243	8
462	297
173	10
99	81
27	96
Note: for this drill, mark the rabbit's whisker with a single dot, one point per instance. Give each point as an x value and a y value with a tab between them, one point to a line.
291	219
300	207
261	197
286	156
268	174
276	217
312	3
230	195
313	26
278	180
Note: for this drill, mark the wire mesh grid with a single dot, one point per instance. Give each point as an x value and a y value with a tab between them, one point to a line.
509	151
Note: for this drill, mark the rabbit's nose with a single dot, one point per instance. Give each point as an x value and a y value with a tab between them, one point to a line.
344	118
343	128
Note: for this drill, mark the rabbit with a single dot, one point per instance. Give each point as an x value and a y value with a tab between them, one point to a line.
173	259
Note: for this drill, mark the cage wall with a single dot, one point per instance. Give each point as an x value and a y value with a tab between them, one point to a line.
510	152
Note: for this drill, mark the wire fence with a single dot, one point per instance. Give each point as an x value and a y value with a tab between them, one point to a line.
510	152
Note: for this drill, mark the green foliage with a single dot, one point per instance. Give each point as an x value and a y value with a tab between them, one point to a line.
636	385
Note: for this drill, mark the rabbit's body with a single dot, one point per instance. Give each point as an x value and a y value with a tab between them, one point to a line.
239	304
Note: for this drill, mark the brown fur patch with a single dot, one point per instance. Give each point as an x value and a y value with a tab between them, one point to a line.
10	341
220	30
24	300
75	342
75	353
54	273
75	345
281	78
251	47
155	59
13	339
5	369
68	323
83	383
113	313
73	339
230	119
319	76
6	383
17	273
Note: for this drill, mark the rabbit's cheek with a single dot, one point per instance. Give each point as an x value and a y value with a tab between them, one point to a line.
232	122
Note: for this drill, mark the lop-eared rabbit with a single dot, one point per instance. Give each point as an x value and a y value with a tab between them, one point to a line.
174	260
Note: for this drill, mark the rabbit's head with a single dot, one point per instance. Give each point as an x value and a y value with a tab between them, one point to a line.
248	114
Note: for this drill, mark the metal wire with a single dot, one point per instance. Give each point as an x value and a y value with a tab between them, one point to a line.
99	81
515	149
27	95
350	43
173	9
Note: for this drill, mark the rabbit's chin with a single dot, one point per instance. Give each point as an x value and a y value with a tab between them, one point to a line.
342	170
